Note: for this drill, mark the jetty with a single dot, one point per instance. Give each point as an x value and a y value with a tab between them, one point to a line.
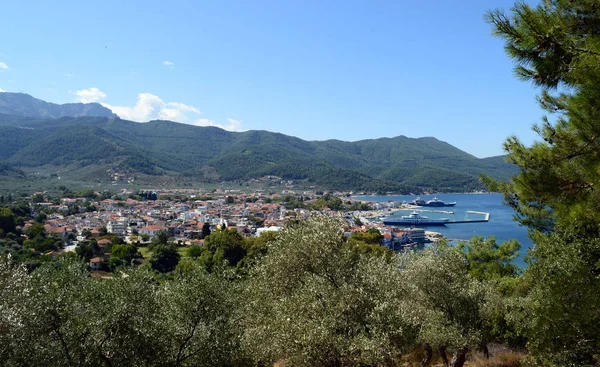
486	218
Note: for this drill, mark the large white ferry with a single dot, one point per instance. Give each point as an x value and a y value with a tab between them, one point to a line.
415	219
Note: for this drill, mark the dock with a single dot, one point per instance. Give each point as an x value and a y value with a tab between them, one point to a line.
486	218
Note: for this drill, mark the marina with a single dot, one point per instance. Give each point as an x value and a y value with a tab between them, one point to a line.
466	217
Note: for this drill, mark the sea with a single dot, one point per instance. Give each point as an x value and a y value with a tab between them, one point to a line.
500	225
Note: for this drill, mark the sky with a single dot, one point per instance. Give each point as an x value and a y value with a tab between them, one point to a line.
318	70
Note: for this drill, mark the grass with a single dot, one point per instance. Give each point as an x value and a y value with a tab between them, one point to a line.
504	358
182	251
146	253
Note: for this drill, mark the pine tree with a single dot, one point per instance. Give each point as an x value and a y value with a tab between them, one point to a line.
556	46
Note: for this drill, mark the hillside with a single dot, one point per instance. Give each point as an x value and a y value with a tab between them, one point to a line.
101	147
25	105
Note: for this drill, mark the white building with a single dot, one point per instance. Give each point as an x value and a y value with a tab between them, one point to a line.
118	227
260	231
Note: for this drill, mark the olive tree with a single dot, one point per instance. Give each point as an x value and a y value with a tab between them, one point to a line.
14	290
71	319
313	301
198	312
451	310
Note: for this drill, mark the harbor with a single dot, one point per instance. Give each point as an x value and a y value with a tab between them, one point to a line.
467	216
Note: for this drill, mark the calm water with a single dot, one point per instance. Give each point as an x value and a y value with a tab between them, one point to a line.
500	225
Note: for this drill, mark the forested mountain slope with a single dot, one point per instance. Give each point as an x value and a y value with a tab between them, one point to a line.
211	154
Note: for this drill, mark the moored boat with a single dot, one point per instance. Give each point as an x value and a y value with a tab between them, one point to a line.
415	219
435	202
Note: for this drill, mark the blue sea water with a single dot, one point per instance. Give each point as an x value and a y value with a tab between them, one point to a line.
501	224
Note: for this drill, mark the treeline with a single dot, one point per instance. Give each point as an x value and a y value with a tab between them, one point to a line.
306	297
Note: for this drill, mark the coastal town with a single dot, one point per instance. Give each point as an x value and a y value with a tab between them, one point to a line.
187	216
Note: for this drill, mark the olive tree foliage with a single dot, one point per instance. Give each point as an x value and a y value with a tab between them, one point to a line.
14	290
312	301
559	313
451	310
70	319
199	309
556	45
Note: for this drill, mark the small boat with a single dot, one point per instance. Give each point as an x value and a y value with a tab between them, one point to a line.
418	201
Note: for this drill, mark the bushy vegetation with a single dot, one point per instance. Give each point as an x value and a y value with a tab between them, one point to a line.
304	296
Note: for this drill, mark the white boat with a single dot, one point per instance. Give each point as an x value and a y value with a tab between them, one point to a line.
415	219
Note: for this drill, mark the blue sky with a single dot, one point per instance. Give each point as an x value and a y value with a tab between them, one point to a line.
318	70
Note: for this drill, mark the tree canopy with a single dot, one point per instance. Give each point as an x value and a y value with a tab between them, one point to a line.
556	46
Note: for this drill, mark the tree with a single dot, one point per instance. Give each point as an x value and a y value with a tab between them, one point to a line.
487	259
225	245
41	218
450	309
85	251
257	247
164	258
7	220
372	236
71	319
205	230
103	231
556	45
161	237
14	291
37	198
198	310
194	251
312	301
121	255
86	233
36	229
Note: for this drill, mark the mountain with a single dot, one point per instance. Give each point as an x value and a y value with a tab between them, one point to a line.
25	105
102	148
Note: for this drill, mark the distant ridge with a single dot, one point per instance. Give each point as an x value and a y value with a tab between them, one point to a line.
97	149
22	104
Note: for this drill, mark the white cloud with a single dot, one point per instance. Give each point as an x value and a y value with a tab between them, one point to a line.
90	95
2	90
169	64
69	75
234	125
3	66
150	107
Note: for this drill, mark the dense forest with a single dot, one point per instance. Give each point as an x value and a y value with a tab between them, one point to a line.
311	297
87	147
